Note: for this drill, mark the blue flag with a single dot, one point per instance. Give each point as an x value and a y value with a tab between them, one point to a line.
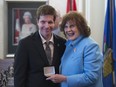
109	44
114	37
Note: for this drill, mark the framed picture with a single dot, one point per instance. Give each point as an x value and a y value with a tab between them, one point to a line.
23	23
18	14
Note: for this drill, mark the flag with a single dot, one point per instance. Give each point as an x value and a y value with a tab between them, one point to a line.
109	44
71	5
114	38
17	28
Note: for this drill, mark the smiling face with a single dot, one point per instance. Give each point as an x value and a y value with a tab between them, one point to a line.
27	19
71	30
46	25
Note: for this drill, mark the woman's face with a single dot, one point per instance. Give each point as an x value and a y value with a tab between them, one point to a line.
71	30
27	19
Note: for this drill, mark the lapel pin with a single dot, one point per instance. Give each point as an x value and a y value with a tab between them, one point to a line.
74	49
58	45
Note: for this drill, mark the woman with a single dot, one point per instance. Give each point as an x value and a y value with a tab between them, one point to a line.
81	64
28	27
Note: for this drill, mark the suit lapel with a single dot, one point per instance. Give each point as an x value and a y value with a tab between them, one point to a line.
39	47
56	48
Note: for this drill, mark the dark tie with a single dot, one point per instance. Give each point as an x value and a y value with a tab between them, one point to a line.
48	52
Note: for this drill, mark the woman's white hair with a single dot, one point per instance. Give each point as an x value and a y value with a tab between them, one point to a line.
27	13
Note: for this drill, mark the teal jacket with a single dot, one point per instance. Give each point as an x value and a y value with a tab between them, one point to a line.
82	63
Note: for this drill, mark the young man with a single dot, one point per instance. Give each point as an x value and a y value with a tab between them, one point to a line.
31	58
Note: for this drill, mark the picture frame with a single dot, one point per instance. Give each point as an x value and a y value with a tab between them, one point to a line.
18	20
16	12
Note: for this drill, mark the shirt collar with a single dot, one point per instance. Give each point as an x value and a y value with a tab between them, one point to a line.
74	42
43	40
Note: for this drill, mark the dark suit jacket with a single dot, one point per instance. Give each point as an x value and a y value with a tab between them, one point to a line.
30	58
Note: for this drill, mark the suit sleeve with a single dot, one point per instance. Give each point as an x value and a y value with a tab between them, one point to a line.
92	68
20	65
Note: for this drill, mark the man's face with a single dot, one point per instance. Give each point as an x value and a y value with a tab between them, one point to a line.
46	24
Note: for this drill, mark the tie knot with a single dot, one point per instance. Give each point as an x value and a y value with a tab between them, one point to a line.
48	43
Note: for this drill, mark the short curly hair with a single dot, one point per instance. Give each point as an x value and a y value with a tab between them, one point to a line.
80	21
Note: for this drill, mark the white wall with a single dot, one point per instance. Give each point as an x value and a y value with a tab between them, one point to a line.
97	15
94	11
59	4
3	31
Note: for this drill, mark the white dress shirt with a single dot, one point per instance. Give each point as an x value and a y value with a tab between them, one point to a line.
51	44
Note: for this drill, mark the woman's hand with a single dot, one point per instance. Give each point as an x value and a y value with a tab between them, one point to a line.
57	78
